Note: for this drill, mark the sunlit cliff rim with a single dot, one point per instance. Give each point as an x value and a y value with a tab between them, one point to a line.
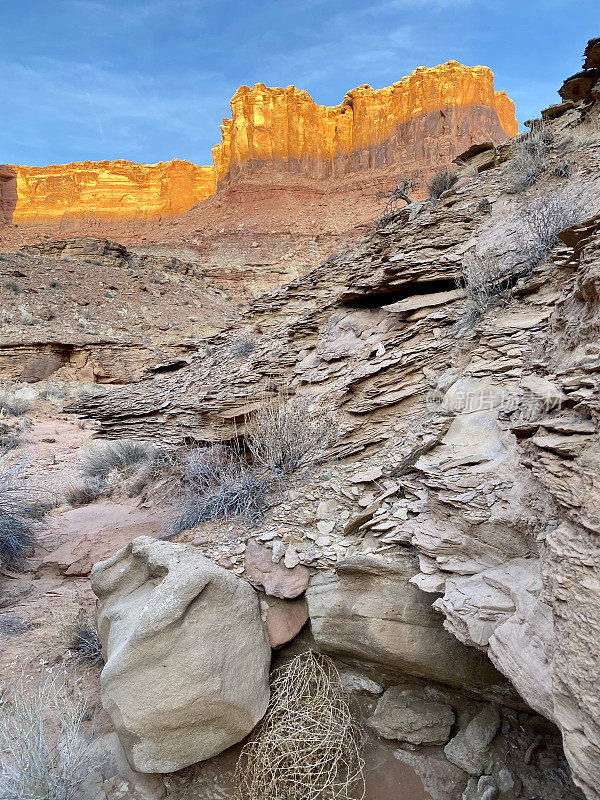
282	130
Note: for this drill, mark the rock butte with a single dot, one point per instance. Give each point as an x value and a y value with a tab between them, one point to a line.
424	120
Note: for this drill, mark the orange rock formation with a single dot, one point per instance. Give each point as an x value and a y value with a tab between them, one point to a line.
423	120
110	189
287	129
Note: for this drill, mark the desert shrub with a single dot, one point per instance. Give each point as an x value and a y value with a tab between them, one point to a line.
582	135
53	283
486	281
10	438
53	391
285	433
400	193
217	482
85	643
114	461
27	317
440	183
20	512
563	169
92	390
11	625
243	345
12	286
308	746
44	751
543	219
13	406
529	162
84	491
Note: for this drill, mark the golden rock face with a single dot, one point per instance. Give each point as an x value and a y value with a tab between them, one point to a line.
286	126
110	189
424	120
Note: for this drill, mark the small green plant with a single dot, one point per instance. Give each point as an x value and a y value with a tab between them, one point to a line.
53	283
440	183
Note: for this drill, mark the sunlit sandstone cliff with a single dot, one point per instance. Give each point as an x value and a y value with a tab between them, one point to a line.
110	189
422	121
429	116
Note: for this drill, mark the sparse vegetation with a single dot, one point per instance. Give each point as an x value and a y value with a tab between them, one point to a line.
10	438
308	745
282	436
286	434
563	169
44	750
487	278
114	461
53	283
11	405
12	286
400	193
531	153
583	135
218	482
85	643
243	345
11	625
27	317
440	183
84	491
486	282
19	514
544	218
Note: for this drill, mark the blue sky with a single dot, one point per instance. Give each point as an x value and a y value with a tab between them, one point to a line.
149	80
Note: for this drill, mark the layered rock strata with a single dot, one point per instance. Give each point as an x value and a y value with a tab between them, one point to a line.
419	123
110	190
471	448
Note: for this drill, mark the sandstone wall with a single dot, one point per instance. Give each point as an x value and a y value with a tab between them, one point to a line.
428	116
8	194
421	122
110	189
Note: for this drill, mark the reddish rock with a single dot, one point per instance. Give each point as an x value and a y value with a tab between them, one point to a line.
285	619
108	527
276	579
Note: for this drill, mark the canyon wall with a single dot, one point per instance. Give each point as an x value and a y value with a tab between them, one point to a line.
421	122
8	194
424	120
110	189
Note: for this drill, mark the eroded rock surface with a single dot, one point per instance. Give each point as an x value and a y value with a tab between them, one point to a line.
469	452
187	654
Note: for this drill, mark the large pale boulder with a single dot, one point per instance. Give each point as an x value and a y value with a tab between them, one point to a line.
187	654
